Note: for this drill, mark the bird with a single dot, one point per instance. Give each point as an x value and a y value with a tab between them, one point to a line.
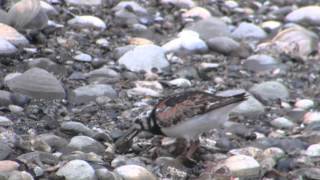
186	115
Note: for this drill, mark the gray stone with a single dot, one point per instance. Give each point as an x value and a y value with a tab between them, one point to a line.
134	172
87	93
210	28
224	45
85	144
82	57
270	90
85	2
76	128
103	73
5	99
77	170
13	36
243	166
249	31
313	150
5	150
6	47
87	22
55	142
37	83
283	123
260	62
144	58
4	121
47	64
20	175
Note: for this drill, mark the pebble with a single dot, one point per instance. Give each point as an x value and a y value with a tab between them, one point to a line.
5	99
4	121
179	3
311	117
74	127
134	172
82	57
197	12
270	90
282	122
37	83
313	150
260	63
85	144
87	93
224	45
210	28
188	42
5	150
87	22
71	171
304	104
249	31
8	165
180	82
27	15
20	175
145	58
84	2
243	166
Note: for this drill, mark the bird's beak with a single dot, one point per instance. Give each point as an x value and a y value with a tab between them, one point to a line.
124	143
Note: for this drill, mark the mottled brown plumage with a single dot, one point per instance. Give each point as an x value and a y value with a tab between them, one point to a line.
179	107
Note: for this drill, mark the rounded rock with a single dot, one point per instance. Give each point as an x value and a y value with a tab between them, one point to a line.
134	172
77	170
37	83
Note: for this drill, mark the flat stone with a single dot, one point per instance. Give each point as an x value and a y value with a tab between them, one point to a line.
13	36
37	83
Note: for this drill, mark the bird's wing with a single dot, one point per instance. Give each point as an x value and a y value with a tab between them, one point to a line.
179	107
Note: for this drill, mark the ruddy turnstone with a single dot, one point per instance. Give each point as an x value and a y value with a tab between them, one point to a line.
186	115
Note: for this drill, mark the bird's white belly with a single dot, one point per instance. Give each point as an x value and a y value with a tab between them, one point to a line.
192	128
